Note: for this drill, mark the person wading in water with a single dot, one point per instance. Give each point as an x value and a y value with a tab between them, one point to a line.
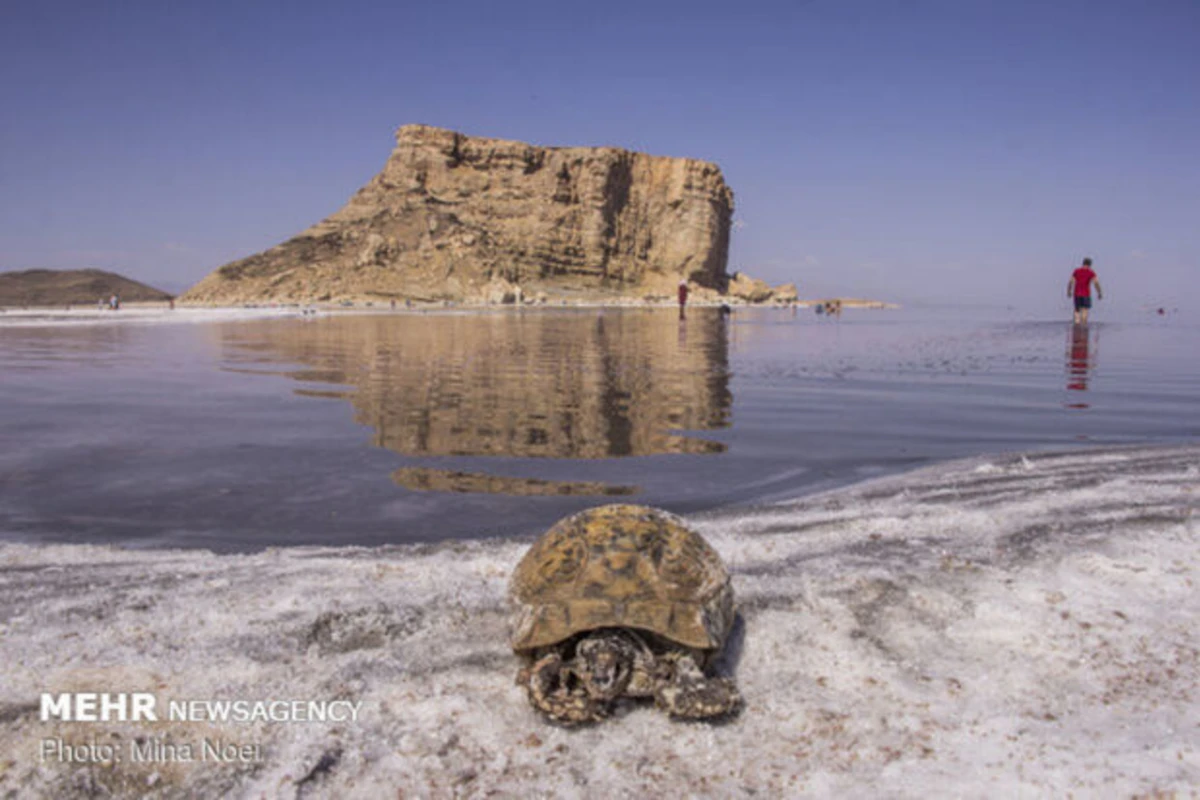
1080	287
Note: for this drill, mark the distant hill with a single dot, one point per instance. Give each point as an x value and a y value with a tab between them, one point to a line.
53	287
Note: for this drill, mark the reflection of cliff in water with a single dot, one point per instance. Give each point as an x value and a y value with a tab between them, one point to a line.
541	385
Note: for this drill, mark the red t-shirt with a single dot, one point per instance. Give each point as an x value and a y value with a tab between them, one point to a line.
1083	281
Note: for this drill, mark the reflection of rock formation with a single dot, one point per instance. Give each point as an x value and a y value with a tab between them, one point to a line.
569	385
450	215
439	480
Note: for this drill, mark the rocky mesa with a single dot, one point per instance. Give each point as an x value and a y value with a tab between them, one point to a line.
455	217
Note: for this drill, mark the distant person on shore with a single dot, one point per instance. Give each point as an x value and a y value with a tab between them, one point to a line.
683	293
1080	288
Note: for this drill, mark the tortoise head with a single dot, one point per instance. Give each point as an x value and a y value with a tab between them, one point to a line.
607	661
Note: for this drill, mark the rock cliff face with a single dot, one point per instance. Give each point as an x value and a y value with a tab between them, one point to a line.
455	217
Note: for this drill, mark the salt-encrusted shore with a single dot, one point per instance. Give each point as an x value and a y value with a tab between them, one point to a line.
137	313
1006	626
144	313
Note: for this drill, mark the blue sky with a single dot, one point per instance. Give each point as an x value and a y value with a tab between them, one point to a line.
965	150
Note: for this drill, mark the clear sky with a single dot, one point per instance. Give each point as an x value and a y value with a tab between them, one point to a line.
966	149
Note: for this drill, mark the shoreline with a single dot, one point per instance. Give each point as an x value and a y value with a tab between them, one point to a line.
192	312
823	493
196	314
739	510
1022	623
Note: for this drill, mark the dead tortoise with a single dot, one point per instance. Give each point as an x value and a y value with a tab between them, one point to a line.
622	601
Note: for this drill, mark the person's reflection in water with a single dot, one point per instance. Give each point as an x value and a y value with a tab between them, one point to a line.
1080	361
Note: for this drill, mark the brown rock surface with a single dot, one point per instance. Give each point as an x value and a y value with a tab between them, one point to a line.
785	293
752	290
455	217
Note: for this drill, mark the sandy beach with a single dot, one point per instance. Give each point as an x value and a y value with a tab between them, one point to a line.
1017	625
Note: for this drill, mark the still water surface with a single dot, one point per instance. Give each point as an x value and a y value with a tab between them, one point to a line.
370	429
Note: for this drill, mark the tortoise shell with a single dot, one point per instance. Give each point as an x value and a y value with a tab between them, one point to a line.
621	566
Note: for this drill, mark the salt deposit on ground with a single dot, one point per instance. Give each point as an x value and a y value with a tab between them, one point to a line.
1014	626
140	314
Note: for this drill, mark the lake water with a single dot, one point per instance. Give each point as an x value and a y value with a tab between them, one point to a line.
236	434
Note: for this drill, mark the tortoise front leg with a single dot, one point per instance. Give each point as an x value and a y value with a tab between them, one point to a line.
685	691
555	689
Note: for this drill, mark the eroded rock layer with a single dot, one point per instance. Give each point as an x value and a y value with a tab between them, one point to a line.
454	216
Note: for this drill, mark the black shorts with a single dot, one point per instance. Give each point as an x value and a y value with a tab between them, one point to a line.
1083	302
